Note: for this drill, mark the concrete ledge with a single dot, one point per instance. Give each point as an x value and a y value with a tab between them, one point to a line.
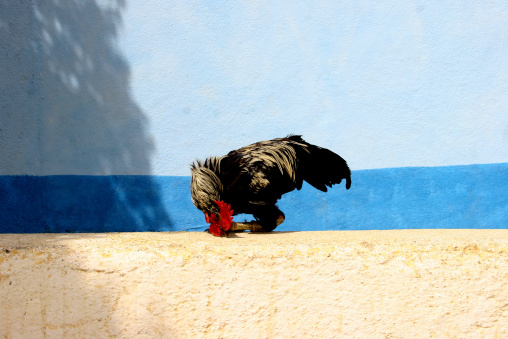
363	284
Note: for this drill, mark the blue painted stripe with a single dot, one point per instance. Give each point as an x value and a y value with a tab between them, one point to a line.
472	196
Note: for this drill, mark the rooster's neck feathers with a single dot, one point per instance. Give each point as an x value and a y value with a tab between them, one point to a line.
206	187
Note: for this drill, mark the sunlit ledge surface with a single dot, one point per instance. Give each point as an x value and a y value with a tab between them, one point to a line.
357	284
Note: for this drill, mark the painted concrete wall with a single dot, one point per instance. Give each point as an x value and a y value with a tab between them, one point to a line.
113	88
128	87
402	284
473	196
103	104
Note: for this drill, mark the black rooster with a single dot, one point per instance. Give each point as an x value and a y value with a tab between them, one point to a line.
251	179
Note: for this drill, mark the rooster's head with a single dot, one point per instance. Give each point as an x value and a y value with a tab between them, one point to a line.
219	225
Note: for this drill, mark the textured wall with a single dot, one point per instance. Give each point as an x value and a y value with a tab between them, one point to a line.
472	196
384	84
128	87
91	91
103	104
403	284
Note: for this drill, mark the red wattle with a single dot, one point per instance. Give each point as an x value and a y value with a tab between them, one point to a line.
220	225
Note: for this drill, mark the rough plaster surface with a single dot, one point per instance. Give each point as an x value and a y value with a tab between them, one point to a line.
368	284
144	87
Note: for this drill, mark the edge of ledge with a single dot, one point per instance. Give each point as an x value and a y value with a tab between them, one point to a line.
197	240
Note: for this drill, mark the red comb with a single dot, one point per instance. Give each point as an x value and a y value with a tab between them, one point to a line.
226	214
220	225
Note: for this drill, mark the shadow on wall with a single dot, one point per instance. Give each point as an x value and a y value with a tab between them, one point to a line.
69	125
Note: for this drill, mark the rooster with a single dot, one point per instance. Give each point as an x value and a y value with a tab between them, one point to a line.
251	180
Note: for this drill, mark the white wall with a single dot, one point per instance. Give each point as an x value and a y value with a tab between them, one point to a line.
384	84
129	87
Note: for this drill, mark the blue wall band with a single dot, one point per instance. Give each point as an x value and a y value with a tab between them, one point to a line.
473	196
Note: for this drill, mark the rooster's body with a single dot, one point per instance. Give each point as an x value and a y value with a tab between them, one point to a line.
252	178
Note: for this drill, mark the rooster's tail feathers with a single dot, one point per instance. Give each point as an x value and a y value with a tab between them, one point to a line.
324	168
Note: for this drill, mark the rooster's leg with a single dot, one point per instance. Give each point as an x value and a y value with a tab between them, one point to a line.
269	217
252	226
